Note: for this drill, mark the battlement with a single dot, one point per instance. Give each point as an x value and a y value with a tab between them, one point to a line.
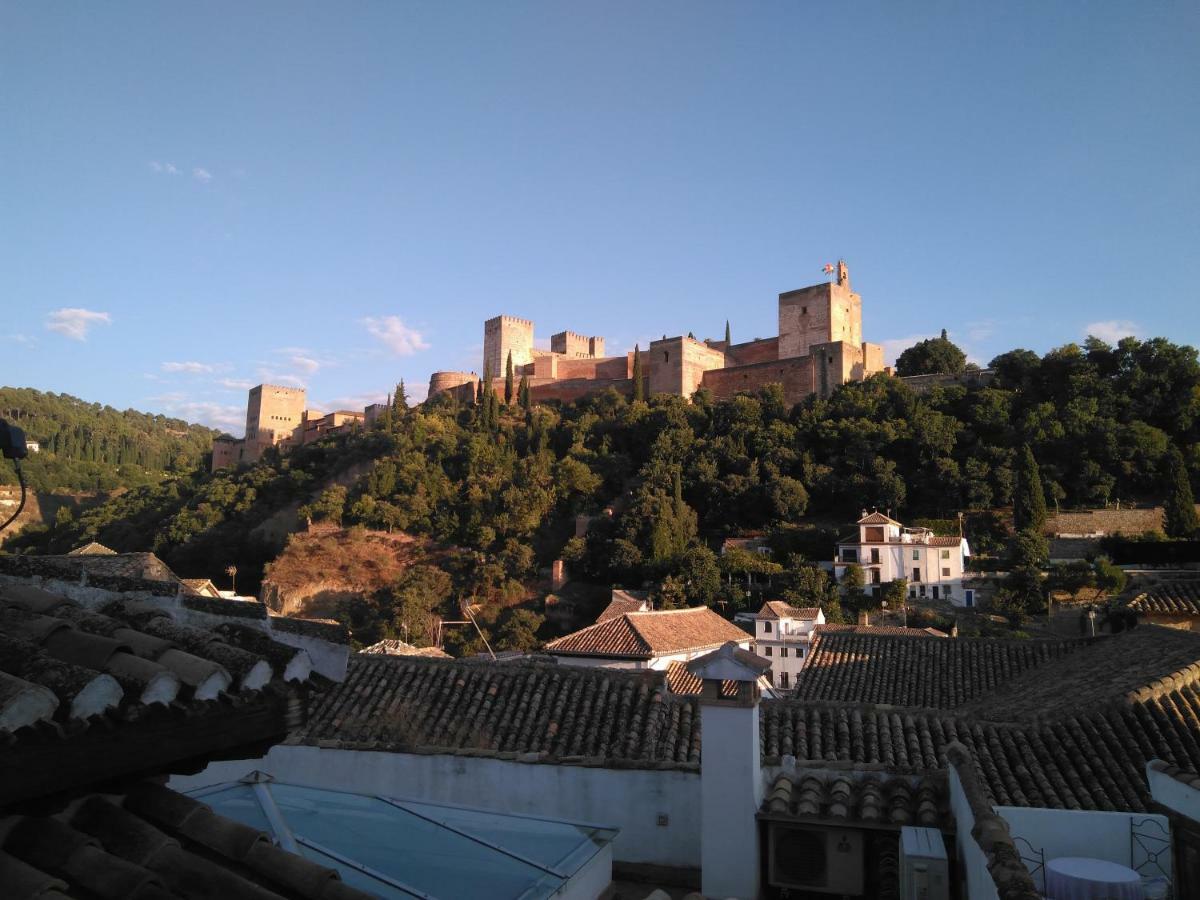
298	391
509	320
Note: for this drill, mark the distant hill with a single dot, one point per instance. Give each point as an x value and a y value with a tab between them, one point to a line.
92	447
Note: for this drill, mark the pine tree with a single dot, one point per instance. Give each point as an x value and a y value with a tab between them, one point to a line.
639	388
508	380
727	340
523	392
1179	506
1029	501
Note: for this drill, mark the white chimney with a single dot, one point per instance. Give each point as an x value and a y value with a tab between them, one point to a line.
731	786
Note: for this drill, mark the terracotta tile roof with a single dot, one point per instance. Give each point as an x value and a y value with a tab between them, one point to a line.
122	565
681	681
150	843
888	801
945	540
388	647
892	630
1124	667
876	518
202	586
851	665
74	677
92	549
623	602
536	712
1180	598
650	634
777	609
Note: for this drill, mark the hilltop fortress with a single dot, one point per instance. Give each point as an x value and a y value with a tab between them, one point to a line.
819	346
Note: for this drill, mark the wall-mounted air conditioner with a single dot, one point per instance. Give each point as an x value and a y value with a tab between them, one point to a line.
812	858
924	871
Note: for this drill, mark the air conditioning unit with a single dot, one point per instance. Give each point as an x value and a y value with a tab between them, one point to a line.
811	858
924	871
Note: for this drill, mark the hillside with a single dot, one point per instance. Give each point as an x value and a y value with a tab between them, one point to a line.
88	447
507	484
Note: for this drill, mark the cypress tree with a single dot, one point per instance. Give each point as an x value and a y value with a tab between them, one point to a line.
400	402
1029	501
639	388
727	341
1179	506
508	380
523	392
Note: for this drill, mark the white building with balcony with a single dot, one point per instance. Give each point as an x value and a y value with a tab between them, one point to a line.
782	634
933	564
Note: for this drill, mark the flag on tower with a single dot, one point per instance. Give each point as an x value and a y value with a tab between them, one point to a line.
827	268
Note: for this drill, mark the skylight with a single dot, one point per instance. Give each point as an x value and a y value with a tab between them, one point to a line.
402	848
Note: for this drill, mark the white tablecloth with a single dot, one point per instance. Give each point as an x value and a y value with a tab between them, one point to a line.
1080	878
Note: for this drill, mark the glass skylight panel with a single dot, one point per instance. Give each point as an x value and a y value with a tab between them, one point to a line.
402	849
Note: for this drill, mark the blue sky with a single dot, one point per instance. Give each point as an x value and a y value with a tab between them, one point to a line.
195	198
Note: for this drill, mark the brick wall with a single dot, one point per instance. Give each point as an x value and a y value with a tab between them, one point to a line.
751	352
796	376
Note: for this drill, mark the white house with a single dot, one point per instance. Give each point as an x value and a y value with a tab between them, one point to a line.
782	634
647	640
933	564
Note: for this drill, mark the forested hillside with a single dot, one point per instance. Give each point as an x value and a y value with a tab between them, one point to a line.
506	482
87	446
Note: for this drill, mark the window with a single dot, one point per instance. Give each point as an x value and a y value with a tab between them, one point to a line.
945	554
766	651
767	627
849	555
945	572
935	592
783	652
916	574
946	592
969	597
783	679
875	576
804	310
666	356
875	554
916	554
921	590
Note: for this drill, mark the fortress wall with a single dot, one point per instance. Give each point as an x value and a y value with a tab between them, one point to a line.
796	376
752	352
610	367
925	383
445	381
577	388
502	335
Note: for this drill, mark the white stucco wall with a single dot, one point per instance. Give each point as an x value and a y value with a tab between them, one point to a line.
1173	794
1100	835
631	800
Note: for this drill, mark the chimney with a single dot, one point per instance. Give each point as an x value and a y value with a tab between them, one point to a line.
863	617
731	785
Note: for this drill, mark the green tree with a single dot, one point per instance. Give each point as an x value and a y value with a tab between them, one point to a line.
329	506
400	401
727	340
523	392
508	380
895	593
1029	500
852	587
518	630
1110	577
416	600
639	385
701	575
1179	506
936	356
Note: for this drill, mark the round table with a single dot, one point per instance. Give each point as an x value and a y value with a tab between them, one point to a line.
1081	878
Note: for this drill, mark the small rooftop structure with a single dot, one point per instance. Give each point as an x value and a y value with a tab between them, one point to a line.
648	636
392	647
625	601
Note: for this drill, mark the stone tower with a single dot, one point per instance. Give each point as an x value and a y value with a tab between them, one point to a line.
820	314
272	413
502	335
